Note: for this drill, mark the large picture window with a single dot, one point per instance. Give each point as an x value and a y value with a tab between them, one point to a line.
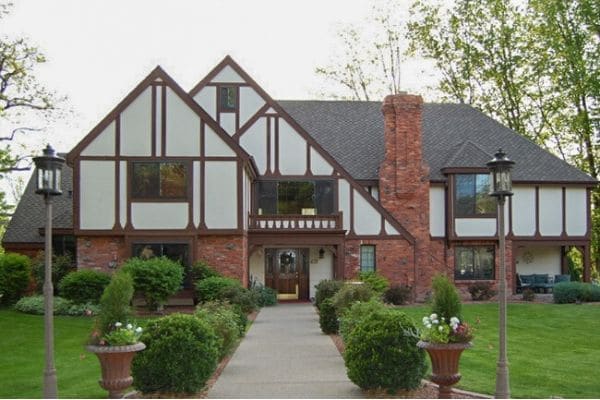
472	195
165	180
475	262
296	197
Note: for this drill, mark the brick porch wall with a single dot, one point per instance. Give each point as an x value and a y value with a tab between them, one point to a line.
227	254
102	253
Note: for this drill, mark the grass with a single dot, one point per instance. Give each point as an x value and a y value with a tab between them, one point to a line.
553	350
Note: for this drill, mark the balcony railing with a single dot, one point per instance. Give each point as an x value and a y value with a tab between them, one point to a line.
296	222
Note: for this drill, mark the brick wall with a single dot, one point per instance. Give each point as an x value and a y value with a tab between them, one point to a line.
102	253
227	254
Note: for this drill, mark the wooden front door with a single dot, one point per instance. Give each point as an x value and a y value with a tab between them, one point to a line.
286	271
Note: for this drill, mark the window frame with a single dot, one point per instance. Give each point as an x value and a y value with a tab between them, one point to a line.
270	200
360	260
473	276
220	104
457	211
157	197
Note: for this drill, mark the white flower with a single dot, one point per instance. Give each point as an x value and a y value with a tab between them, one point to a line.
433	316
436	322
118	324
454	320
425	320
441	328
443	319
129	326
138	329
428	326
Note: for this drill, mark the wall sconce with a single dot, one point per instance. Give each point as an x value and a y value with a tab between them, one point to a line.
321	253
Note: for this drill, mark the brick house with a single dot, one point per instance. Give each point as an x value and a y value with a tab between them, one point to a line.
288	193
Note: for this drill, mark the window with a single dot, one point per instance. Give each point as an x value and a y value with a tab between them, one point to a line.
367	258
159	180
472	195
64	245
475	262
227	98
296	197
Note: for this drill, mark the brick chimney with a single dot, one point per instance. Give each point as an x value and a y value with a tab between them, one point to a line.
404	177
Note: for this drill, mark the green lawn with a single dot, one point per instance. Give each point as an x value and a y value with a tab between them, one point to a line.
553	350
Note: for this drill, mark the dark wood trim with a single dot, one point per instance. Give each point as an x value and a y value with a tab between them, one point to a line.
163	121
555	183
465	170
308	171
588	208
117	183
153	122
268	169
240	194
252	120
510	218
276	148
537	211
564	212
351	227
76	193
202	177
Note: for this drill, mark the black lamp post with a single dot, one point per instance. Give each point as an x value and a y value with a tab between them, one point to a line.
49	169
500	188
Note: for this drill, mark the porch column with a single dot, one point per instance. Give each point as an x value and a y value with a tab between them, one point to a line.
586	264
338	267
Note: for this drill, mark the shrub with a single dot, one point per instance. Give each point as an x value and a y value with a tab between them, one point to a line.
481	291
246	299
35	305
379	284
200	270
326	289
445	299
265	296
350	293
215	306
210	288
328	319
397	294
528	294
15	270
357	313
61	266
225	323
381	352
181	354
572	292
84	286
114	304
156	278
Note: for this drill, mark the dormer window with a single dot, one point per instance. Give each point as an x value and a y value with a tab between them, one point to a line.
472	197
228	98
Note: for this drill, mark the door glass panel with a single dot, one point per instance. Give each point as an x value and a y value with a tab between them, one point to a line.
287	262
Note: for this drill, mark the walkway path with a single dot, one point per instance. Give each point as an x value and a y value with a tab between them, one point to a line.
285	355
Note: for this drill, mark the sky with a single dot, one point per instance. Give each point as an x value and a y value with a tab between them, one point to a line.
98	51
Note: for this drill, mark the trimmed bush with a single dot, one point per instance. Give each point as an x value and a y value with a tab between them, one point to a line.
35	305
351	293
355	314
209	289
572	292
328	319
181	354
114	303
481	291
379	284
398	295
326	289
381	352
445	301
246	299
15	270
155	279
225	323
215	306
265	296
83	286
61	266
201	270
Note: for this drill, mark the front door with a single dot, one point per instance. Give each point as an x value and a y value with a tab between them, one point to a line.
286	271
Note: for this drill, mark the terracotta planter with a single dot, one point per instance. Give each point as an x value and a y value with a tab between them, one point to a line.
115	362
444	364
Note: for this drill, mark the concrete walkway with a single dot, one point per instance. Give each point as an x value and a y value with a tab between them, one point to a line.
285	355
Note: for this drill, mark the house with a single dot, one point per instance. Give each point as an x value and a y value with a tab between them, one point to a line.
288	193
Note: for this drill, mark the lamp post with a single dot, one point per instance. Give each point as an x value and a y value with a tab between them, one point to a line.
49	168
500	188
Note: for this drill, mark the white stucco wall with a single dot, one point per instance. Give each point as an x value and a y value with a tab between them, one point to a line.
215	146
159	215
475	227
221	195
254	141
257	266
318	164
344	202
228	75
367	220
183	128
437	211
523	211
551	209
538	260
292	150
207	99
136	122
250	103
97	194
227	121
103	144
576	211
319	271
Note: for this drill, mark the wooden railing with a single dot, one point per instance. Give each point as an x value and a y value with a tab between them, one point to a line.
296	222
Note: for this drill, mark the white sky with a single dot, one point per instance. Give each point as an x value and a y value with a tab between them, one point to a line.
98	51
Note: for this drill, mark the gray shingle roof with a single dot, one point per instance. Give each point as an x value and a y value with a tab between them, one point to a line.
30	214
352	131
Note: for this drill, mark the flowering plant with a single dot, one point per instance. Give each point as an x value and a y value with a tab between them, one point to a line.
121	335
438	330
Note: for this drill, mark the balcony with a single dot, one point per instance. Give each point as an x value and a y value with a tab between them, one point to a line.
299	223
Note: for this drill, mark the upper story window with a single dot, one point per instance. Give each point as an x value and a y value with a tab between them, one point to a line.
296	197
227	98
367	258
159	180
472	195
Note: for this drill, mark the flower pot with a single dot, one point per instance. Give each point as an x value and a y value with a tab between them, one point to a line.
115	362
444	364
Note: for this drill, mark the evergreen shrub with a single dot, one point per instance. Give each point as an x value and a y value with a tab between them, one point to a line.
325	289
83	286
15	270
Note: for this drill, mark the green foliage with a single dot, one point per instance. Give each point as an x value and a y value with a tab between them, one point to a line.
325	289
481	291
181	354
14	277
225	322
210	288
216	306
83	286
328	319
381	352
123	335
156	278
35	305
356	314
265	296
246	299
398	295
114	303
201	270
350	293
572	292
61	266
528	294
379	284
445	300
